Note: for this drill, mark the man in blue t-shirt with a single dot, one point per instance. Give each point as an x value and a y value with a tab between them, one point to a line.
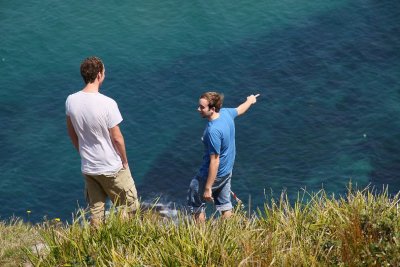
213	181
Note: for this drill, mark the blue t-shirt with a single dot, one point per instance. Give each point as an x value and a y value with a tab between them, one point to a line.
219	138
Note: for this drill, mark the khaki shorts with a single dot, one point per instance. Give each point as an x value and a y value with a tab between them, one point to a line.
119	187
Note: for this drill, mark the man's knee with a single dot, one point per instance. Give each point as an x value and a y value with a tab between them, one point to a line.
200	217
226	214
97	212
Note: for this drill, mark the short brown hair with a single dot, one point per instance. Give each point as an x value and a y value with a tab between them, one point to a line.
90	67
214	100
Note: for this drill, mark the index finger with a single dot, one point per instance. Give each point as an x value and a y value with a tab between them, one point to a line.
257	95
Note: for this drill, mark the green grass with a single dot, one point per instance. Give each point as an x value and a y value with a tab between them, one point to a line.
359	229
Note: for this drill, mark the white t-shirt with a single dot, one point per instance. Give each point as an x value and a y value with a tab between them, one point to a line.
92	115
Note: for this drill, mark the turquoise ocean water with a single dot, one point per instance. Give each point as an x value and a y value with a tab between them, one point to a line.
328	73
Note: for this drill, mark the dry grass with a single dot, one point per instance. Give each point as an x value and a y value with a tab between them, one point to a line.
15	236
361	229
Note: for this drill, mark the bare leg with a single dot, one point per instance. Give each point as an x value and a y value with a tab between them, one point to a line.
96	222
200	217
226	214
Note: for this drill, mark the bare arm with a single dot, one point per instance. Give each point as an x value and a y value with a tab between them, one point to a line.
119	143
252	99
212	174
72	134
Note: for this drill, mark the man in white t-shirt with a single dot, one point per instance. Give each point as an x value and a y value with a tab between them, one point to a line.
93	125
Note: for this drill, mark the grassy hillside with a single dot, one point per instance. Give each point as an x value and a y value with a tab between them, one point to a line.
360	229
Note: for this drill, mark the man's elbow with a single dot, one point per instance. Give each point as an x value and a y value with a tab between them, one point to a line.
119	139
214	159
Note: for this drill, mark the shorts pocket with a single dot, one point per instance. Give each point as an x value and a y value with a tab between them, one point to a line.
123	180
132	198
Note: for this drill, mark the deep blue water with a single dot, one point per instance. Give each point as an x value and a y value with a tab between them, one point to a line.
328	74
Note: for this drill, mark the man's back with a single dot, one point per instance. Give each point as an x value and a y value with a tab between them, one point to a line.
92	115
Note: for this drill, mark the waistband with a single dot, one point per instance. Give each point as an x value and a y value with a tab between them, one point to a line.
219	180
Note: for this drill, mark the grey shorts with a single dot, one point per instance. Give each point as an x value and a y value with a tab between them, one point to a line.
221	192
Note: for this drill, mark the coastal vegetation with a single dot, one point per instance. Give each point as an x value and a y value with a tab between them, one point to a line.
361	228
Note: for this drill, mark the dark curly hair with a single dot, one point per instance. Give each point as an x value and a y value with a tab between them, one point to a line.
90	67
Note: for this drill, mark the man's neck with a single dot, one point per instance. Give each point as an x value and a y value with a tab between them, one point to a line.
91	88
214	116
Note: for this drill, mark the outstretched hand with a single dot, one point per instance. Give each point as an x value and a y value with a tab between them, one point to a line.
253	98
242	108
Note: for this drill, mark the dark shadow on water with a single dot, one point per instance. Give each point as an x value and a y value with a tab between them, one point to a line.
323	122
327	114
